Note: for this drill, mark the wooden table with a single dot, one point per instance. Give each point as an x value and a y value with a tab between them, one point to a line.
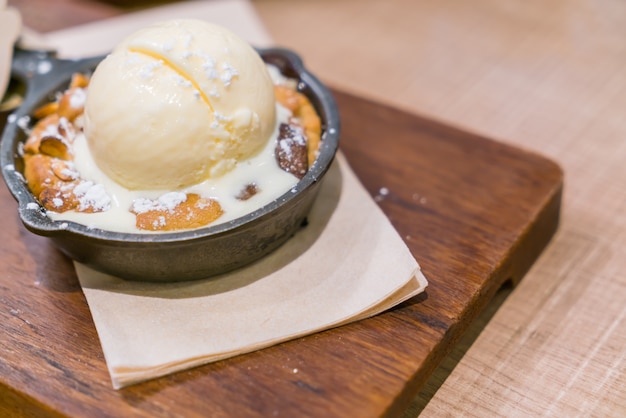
548	78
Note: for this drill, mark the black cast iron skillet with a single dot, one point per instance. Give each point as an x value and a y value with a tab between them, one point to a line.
163	257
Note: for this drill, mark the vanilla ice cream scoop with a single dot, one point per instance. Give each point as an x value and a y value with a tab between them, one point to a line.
177	103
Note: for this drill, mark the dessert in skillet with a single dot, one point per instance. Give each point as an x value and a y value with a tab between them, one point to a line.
181	126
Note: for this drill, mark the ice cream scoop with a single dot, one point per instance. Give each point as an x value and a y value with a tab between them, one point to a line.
177	103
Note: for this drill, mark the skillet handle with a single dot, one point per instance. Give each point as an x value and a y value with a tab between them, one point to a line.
41	71
27	63
34	68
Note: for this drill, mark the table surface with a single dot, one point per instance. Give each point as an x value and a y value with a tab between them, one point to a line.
547	77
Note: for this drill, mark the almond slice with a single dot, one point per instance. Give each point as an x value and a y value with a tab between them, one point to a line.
55	146
287	97
46	110
192	212
38	172
79	80
72	103
48	124
63	170
58	199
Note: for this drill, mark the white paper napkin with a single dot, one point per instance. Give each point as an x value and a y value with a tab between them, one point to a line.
100	37
348	263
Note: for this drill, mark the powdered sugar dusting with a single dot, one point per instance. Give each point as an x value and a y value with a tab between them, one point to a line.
165	202
298	138
228	73
24	123
78	97
148	70
209	67
69	172
44	67
92	196
214	93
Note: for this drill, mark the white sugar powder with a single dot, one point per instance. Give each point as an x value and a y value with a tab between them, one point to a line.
44	67
209	66
148	70
92	196
182	81
133	58
23	123
77	100
228	73
214	92
69	173
220	117
52	130
167	201
285	147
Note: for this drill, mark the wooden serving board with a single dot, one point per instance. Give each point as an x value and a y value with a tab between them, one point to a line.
474	212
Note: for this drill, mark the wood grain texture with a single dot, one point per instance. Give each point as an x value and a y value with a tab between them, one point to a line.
474	211
549	76
475	66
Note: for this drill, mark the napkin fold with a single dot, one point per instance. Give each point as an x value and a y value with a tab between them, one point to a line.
347	264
